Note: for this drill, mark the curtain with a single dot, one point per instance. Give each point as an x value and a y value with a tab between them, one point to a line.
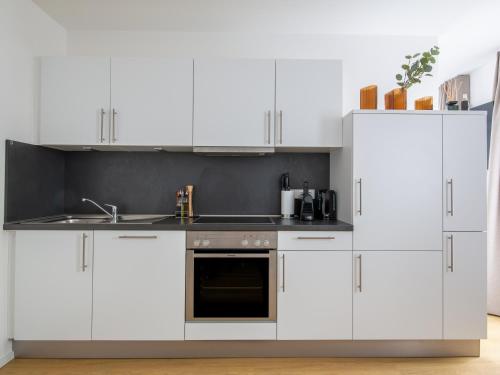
494	202
454	89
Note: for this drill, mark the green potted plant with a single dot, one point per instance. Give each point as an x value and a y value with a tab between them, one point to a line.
417	66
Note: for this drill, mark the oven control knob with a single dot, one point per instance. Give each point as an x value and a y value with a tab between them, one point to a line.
244	242
196	243
266	243
257	243
205	242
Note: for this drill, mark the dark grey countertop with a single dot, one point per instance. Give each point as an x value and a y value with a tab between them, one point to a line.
172	223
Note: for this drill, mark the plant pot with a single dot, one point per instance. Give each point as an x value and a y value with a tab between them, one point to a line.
396	99
452	105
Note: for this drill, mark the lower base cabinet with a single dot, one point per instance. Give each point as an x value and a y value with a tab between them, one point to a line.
139	285
53	285
397	295
315	295
464	263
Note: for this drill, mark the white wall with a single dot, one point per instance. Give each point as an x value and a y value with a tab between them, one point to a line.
25	32
367	59
481	82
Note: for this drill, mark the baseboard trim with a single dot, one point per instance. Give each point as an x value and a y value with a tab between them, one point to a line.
218	349
6	358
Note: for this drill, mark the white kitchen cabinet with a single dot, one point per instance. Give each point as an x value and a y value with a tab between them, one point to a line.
74	102
234	103
152	101
464	172
396	183
315	295
397	295
53	285
464	261
308	103
139	285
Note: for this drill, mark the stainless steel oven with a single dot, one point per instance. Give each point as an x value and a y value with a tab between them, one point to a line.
231	275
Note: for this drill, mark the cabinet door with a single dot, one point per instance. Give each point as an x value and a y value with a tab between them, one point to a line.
139	285
464	285
53	285
464	172
152	101
315	295
397	182
308	103
74	102
397	295
234	103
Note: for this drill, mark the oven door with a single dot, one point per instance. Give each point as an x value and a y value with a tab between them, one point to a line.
231	285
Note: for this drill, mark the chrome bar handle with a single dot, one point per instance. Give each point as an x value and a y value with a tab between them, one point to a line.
84	246
360	202
283	273
114	125
450	209
102	113
315	238
450	267
138	237
281	127
269	127
359	283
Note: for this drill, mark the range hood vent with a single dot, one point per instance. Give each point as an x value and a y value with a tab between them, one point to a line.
233	151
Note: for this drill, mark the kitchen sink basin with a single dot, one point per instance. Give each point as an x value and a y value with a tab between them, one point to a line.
122	219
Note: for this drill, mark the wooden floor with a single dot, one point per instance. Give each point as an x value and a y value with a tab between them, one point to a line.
488	363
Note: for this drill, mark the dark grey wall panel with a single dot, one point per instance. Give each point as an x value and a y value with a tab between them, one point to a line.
34	181
145	182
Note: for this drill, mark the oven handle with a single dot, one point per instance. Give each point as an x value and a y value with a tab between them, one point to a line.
230	255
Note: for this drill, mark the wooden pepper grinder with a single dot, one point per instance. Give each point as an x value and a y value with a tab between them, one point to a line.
189	189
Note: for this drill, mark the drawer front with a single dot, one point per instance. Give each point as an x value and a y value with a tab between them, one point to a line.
314	240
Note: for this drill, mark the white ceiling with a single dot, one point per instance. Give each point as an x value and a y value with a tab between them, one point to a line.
381	17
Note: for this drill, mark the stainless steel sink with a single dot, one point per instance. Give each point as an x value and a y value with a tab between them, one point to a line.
98	219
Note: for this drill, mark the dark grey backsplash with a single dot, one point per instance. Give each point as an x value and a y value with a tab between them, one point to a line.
34	181
42	182
145	182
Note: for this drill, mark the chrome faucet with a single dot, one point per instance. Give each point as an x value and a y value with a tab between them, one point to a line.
114	210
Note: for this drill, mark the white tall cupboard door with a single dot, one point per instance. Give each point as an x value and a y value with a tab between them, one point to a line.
315	295
152	100
464	172
139	285
397	163
53	285
308	103
234	103
397	295
464	285
74	101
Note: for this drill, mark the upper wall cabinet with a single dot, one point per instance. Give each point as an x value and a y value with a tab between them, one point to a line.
98	101
234	103
151	102
74	104
308	103
464	172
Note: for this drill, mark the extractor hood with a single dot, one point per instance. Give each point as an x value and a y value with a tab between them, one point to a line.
237	151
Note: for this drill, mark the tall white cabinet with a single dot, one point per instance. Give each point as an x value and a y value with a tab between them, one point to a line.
414	186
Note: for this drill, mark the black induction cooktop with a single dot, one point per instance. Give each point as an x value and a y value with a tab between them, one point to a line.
234	220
